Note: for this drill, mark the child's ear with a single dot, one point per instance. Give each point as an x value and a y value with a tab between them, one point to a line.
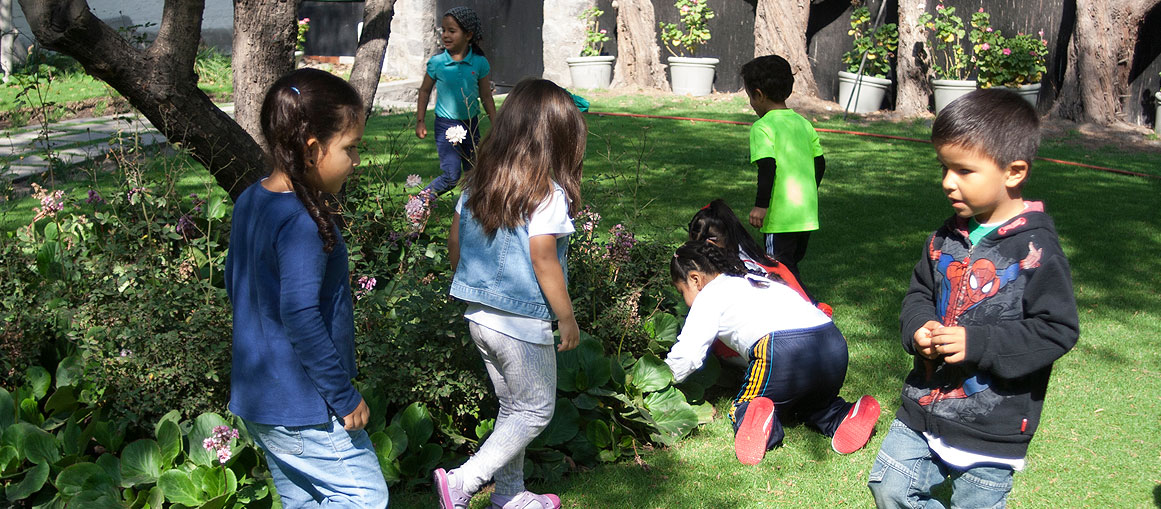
1017	173
313	152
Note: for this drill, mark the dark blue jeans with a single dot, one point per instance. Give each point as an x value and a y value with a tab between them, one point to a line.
801	371
454	159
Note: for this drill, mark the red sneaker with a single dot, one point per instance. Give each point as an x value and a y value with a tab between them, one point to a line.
855	430
750	440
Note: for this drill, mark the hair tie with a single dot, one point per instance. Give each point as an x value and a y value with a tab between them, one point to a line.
707	205
295	89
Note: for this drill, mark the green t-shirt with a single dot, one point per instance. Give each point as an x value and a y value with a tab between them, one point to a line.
793	143
977	231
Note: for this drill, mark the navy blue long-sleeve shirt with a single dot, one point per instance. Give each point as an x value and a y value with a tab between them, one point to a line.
294	341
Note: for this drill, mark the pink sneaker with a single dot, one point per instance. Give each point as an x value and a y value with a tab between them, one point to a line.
450	490
750	440
528	500
855	429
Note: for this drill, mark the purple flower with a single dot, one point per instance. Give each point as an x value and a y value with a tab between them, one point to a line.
220	441
416	208
186	227
94	198
620	244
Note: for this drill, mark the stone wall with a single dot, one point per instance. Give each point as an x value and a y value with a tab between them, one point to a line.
414	38
563	37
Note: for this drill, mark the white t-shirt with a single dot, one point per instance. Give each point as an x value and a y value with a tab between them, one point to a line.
549	218
739	311
964	459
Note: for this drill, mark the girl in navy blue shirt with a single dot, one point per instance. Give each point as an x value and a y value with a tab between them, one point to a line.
286	274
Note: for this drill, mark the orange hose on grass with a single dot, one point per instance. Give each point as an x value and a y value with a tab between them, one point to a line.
871	135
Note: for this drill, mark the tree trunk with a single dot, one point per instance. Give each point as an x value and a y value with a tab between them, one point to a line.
368	66
264	36
7	39
638	57
159	81
780	29
910	70
1100	54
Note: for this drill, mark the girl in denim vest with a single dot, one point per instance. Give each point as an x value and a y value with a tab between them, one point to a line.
507	242
294	331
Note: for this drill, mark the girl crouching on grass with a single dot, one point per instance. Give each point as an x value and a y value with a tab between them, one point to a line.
507	244
797	357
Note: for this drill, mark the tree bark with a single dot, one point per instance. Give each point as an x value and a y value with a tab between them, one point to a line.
638	57
264	36
780	29
914	88
368	66
158	81
1099	59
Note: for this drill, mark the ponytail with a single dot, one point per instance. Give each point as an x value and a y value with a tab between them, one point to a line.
705	258
717	219
305	104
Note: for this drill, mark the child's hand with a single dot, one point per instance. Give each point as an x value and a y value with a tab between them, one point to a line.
951	342
421	130
569	334
358	419
757	215
922	339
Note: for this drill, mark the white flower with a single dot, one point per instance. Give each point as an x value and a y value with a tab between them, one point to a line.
456	134
413	180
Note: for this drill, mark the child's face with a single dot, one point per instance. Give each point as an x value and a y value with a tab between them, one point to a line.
335	162
454	38
978	187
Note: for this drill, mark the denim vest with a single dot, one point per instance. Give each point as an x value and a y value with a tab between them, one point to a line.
496	270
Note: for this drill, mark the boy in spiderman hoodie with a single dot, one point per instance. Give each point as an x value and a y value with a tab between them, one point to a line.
990	308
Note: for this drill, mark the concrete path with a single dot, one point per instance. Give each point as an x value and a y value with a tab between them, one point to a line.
23	154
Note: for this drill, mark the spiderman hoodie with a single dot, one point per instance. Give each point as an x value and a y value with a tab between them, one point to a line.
1012	293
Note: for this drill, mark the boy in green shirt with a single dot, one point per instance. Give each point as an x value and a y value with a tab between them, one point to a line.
785	148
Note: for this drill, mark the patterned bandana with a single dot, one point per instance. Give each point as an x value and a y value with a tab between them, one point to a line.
469	21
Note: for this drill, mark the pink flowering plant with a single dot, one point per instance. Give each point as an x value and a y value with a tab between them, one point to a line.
595	36
1007	61
693	30
879	45
300	39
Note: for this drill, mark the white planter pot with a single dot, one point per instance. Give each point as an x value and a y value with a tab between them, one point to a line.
1157	114
1029	92
868	96
693	76
298	56
591	72
946	91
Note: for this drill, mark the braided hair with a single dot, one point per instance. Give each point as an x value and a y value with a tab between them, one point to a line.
705	258
468	22
717	221
305	104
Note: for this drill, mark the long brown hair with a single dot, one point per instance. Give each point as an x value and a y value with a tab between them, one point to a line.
538	137
305	104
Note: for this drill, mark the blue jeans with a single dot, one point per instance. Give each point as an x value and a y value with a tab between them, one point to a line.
322	465
905	471
454	159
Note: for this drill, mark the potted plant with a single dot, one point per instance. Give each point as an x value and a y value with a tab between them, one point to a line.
1157	112
1016	62
592	69
863	85
300	41
689	75
949	60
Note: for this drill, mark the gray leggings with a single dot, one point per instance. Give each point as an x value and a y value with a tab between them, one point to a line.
524	376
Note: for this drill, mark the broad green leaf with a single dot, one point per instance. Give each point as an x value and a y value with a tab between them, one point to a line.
705	413
9	458
215	503
156	498
7	408
672	415
215	208
32	482
69	371
62	400
179	489
391	471
599	434
399	440
484	428
140	463
584	401
564	425
82	477
30	411
107	435
169	442
72	439
171	416
214	481
665	329
383	446
416	422
582	450
707	376
35	444
429	455
203	428
112	466
650	374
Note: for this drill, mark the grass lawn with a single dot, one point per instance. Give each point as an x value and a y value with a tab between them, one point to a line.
1100	440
